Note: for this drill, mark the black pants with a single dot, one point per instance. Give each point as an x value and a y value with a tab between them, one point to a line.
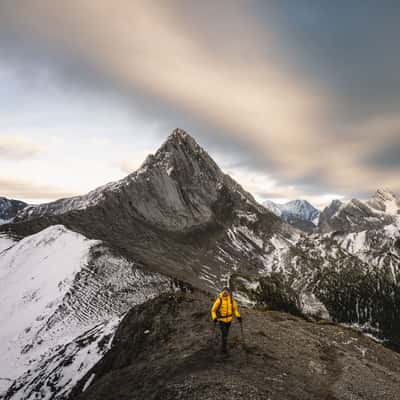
224	334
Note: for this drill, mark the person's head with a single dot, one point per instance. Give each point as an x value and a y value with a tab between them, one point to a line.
225	291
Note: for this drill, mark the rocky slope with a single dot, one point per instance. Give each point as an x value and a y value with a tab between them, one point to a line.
164	349
9	209
299	213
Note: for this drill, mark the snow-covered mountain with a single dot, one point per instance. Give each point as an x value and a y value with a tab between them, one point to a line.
299	213
9	209
386	202
273	207
356	215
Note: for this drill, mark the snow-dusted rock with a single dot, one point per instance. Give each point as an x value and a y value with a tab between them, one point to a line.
9	209
299	213
55	286
356	215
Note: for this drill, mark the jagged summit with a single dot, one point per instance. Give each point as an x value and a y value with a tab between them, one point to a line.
179	138
180	152
385	201
384	194
355	215
180	135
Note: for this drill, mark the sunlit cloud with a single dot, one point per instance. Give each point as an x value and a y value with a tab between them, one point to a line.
25	189
18	148
132	163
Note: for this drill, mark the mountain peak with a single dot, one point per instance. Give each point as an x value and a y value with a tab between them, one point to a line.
176	189
179	134
181	153
385	201
384	194
179	139
299	213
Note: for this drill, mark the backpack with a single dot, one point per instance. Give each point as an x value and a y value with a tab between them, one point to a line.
219	306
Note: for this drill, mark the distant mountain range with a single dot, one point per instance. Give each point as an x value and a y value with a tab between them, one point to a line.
299	213
9	209
355	215
74	273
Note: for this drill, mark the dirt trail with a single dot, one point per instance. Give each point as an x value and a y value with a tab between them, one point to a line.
164	350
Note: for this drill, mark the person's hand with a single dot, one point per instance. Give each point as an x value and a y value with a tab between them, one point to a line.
215	321
240	319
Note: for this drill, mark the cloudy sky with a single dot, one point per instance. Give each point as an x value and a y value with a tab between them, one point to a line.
295	99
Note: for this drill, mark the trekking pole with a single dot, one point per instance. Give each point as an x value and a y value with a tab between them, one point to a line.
214	334
243	342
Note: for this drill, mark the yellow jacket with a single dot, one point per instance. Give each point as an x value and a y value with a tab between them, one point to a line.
226	307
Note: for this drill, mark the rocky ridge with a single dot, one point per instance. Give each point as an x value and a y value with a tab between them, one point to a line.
279	357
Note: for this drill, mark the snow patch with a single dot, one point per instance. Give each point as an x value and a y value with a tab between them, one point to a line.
35	274
53	289
310	305
88	382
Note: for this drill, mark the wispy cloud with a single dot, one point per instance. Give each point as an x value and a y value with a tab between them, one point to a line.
24	189
132	163
18	148
269	78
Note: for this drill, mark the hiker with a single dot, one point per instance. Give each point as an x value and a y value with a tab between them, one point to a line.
222	311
